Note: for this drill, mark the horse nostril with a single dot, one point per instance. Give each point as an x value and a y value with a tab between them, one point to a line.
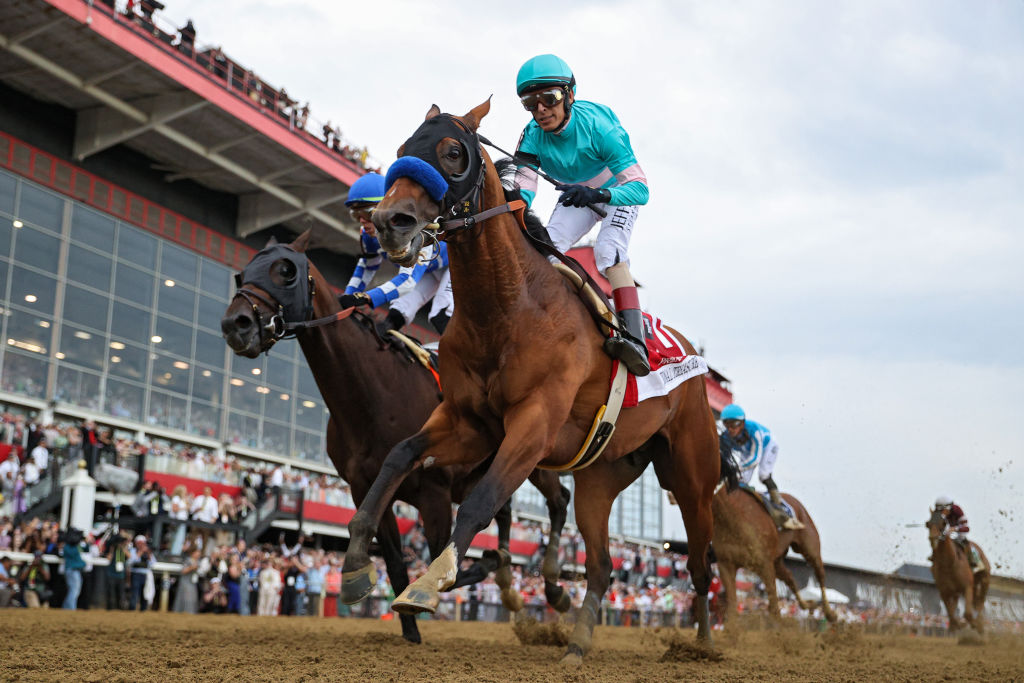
402	220
235	323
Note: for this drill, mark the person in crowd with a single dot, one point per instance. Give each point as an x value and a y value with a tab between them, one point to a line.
179	511
33	579
140	563
316	573
8	582
117	571
363	196
41	455
186	599
289	591
205	509
270	585
187	41
584	146
754	449
956	522
71	547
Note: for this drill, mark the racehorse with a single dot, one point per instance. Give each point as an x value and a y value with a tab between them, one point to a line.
376	396
524	374
746	536
954	579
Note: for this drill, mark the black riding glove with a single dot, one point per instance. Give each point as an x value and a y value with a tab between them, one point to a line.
581	195
350	300
394	321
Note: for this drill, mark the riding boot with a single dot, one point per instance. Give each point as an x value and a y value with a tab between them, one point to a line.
440	322
782	519
628	346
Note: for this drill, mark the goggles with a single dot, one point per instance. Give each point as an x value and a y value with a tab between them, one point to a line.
548	98
360	212
732	424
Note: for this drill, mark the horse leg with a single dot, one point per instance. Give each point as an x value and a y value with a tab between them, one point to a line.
602	481
782	571
510	597
951	603
727	573
391	548
358	573
557	496
768	576
810	548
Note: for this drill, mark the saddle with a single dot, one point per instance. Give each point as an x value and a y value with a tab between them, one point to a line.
417	353
766	502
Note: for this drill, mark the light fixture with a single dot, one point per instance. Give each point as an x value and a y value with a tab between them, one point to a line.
115	359
82	335
117	345
285	397
168	283
206	373
31	298
59	355
237	382
308	404
181	365
256	371
44	323
156	339
262	390
17	223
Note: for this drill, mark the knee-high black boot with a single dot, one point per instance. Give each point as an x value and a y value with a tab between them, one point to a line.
629	346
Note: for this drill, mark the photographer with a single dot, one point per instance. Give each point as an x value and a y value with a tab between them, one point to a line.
34	577
70	547
117	553
140	560
8	584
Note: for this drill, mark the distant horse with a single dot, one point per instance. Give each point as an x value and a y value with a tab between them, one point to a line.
524	374
746	536
376	396
954	579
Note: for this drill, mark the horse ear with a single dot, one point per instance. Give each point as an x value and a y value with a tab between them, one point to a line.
271	242
477	114
434	111
401	150
301	242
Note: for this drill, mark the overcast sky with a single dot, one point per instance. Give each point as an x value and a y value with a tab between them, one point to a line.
836	212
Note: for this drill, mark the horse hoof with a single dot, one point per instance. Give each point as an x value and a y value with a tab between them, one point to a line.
511	600
415	601
563	604
573	658
358	584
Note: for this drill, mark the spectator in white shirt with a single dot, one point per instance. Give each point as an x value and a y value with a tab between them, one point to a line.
41	455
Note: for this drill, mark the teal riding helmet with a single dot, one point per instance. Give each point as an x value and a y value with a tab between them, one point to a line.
733	412
544	70
368	189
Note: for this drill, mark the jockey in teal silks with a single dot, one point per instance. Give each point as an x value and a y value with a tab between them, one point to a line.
753	448
413	286
583	146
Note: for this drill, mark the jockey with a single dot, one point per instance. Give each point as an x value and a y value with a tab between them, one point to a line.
956	521
753	446
413	286
583	145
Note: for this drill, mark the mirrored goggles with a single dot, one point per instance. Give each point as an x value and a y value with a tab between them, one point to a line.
548	98
361	212
733	424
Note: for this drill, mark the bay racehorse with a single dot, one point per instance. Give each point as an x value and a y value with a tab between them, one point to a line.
376	396
746	536
954	579
524	374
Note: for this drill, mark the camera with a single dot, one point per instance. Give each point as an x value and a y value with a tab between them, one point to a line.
71	536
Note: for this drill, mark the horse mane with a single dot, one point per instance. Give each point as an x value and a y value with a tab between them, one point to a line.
506	169
730	470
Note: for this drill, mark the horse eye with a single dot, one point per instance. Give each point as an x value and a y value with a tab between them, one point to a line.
283	272
454	153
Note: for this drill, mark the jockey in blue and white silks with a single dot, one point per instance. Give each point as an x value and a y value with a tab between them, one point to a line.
413	286
753	448
584	147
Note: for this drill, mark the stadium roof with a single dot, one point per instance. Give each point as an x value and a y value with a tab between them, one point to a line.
128	89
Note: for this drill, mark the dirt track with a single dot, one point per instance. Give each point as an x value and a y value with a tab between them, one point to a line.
103	646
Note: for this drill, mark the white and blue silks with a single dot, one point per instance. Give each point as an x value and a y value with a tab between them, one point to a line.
432	257
758	453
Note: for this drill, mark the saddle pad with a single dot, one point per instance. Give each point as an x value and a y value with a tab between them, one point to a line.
670	365
766	499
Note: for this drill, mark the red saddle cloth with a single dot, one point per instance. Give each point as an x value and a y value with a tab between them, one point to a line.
670	364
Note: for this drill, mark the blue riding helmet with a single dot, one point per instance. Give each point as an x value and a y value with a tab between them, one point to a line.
369	189
544	70
733	412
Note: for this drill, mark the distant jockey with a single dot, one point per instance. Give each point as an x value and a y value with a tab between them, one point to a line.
956	522
583	145
413	286
753	448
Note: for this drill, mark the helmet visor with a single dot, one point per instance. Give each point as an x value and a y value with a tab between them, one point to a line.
548	98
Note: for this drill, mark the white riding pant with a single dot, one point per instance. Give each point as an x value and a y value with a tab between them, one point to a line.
436	285
764	465
568	225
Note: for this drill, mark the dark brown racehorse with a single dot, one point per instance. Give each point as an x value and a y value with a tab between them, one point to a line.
524	374
746	536
954	579
376	396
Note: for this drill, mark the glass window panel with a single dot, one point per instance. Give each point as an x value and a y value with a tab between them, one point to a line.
179	265
82	347
216	279
85	308
90	268
29	332
167	410
134	285
171	374
78	387
24	374
279	405
123	400
36	248
40	207
210	312
204	419
175	337
275	437
242	429
210	349
135	246
8	184
280	372
309	413
208	385
33	290
3	282
128	361
243	367
92	228
130	323
307	385
177	301
243	395
309	446
6	230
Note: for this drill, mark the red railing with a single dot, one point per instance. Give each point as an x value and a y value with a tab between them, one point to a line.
57	174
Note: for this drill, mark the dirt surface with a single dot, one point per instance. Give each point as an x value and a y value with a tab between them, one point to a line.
118	646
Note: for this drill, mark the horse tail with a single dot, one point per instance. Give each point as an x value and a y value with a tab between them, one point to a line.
730	470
